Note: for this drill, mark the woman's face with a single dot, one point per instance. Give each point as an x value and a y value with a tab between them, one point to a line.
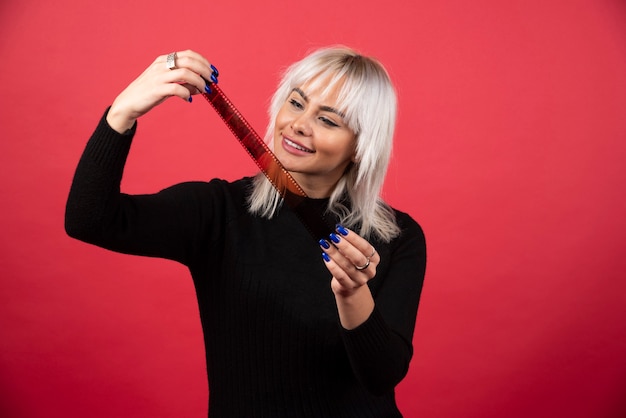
312	140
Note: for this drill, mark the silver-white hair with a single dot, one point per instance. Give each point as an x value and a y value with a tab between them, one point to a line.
368	100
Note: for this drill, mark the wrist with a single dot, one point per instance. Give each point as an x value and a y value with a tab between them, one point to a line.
119	121
355	307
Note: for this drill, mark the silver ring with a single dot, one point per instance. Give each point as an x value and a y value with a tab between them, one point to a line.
171	61
373	252
364	266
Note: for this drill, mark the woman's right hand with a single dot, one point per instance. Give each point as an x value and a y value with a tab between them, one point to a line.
157	83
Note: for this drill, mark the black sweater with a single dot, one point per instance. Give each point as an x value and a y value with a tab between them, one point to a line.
274	344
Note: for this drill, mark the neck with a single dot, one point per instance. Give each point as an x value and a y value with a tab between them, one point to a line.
315	188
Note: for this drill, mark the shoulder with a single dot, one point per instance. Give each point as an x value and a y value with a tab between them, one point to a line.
407	224
233	190
411	232
216	196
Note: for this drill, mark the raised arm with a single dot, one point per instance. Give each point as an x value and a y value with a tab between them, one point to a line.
96	211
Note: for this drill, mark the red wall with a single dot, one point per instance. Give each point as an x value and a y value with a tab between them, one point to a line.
510	152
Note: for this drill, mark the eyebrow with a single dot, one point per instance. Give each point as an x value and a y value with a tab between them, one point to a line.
323	108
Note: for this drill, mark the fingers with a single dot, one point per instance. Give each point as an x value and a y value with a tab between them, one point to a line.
180	74
350	258
189	68
355	249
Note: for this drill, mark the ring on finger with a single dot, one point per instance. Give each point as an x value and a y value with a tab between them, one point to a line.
364	266
170	62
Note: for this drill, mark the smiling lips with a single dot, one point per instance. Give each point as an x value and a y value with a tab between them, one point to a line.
297	146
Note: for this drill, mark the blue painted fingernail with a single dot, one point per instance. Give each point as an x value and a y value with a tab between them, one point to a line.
190	99
217	73
207	89
343	231
335	238
326	257
214	78
324	244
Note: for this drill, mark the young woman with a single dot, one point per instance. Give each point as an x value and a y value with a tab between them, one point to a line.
292	327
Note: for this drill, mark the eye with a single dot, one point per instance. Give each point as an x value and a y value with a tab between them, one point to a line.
328	122
296	104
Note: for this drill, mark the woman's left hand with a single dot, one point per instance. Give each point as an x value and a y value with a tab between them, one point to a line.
351	260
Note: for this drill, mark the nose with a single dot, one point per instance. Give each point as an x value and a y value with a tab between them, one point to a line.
301	125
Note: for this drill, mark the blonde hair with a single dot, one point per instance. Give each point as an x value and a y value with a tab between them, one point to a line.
368	100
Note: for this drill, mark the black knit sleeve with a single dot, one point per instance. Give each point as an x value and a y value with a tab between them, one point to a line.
167	224
381	348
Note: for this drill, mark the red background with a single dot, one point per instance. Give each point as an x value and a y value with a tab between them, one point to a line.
510	152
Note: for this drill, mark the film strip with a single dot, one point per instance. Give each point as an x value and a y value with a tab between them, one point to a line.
310	212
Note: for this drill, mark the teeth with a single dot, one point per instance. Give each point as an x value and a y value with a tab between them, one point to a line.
296	146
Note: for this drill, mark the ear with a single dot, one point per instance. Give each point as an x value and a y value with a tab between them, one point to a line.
354	157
